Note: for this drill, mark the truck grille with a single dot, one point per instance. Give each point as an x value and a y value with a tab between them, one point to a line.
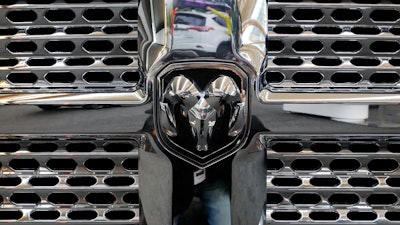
83	179
346	179
333	46
68	46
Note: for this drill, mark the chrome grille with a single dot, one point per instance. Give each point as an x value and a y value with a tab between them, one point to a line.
84	179
69	46
347	179
333	46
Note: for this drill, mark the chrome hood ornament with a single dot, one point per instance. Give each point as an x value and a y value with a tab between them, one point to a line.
200	59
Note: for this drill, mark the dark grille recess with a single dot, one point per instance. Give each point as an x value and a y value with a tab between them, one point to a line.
49	45
335	179
68	178
350	43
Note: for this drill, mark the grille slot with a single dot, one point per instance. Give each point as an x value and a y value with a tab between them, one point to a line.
353	44
348	178
50	179
65	39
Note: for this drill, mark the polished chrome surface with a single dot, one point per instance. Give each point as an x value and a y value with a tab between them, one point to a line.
324	50
78	179
70	49
330	179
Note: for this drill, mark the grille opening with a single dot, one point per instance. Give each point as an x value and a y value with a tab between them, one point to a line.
383	165
275	45
80	147
25	198
284	61
325	182
394	61
274	198
117	29
131	198
21	46
10	215
8	2
308	14
275	14
99	164
305	199
60	15
42	147
288	29
393	147
287	182
326	147
365	62
119	181
366	30
363	182
130	14
131	164
60	46
62	198
287	147
8	62
274	77
98	14
385	46
41	62
119	147
393	182
346	46
79	61
274	164
100	198
41	30
120	215
129	45
22	16
24	164
327	30
327	61
308	46
392	216
79	30
346	77
118	61
61	164
44	181
45	215
367	1
364	147
362	216
382	199
98	46
22	78
9	147
82	215
344	199
9	181
324	215
393	30
381	15
382	77
306	164
346	15
98	77
60	77
130	76
307	77
286	215
345	165
81	181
